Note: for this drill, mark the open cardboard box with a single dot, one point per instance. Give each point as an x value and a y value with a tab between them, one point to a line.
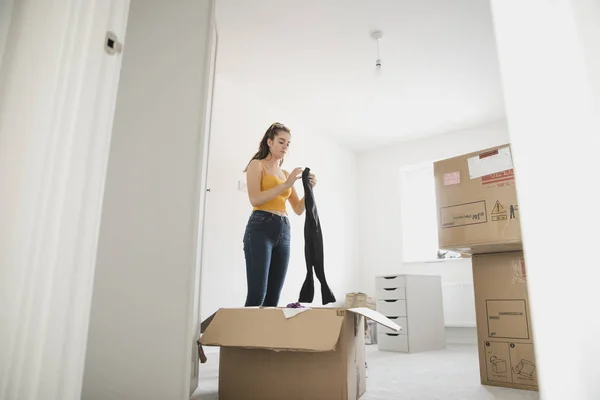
291	354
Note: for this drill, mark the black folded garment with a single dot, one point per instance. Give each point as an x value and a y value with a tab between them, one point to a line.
313	248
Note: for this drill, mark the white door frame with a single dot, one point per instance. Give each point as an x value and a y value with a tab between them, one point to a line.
202	193
549	60
57	97
6	7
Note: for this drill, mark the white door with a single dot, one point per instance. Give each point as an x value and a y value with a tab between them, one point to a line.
58	87
142	322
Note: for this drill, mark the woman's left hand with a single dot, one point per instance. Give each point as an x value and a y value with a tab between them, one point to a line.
312	179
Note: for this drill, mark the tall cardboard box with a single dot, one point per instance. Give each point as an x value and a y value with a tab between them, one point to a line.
477	203
504	334
291	354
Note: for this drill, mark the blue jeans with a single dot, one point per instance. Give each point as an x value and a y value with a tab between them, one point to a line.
267	251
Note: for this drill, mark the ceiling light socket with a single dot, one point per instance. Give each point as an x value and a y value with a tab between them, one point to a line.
376	35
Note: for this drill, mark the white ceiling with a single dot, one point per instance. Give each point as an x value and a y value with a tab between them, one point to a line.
315	59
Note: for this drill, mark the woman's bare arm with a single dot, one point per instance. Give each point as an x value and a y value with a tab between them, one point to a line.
296	203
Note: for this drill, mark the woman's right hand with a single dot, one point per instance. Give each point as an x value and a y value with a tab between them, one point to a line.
294	176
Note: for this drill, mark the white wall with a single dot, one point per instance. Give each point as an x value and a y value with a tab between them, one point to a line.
457	288
140	336
238	124
380	216
587	16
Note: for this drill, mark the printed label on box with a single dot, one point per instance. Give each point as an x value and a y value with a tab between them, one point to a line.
491	162
510	362
522	360
502	178
451	178
507	319
463	214
497	357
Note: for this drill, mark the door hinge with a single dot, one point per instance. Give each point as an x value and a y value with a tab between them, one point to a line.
112	44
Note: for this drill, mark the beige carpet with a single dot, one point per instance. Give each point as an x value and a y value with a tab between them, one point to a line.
450	374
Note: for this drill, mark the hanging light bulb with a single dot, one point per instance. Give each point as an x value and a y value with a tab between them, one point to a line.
377	35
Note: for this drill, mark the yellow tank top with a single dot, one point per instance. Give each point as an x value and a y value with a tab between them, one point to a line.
277	203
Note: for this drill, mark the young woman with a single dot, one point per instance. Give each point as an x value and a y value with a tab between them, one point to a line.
267	236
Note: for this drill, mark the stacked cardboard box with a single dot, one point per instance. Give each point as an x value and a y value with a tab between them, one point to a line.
478	214
506	356
477	203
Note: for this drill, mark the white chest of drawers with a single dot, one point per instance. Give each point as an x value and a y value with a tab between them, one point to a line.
415	303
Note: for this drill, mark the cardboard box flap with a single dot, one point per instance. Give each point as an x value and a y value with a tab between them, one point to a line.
313	330
377	317
206	322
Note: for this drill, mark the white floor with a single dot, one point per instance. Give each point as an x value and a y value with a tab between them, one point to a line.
450	374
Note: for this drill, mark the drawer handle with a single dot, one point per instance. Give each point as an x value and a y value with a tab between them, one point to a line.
389	277
390	289
390	301
393	317
393	334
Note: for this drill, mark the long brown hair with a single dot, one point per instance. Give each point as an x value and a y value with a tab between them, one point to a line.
263	148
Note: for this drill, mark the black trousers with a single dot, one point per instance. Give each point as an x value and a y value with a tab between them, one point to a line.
313	249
